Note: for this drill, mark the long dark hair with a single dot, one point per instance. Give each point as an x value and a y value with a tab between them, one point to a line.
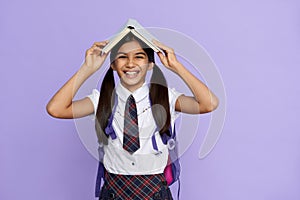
158	94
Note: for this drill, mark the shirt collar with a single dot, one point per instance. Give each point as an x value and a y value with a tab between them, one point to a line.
139	94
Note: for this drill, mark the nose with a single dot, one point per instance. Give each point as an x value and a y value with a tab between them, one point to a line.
130	62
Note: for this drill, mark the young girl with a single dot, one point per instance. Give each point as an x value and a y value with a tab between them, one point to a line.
133	170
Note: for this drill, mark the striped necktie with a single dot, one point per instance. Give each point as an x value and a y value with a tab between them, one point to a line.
131	142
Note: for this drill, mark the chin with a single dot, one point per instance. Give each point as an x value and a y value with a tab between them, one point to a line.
132	84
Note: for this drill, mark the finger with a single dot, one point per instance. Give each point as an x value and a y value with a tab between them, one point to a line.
162	46
97	52
162	58
160	55
96	48
89	51
167	50
101	44
103	54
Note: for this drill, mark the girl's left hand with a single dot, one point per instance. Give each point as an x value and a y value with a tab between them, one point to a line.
169	59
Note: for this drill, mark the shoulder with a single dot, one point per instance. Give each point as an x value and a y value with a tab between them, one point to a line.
94	97
173	95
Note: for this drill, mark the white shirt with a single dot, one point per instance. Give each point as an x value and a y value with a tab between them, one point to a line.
145	160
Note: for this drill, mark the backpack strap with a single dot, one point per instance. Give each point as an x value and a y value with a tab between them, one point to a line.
154	144
167	140
174	166
100	175
100	172
109	131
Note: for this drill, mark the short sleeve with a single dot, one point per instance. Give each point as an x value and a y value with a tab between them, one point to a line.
94	97
173	95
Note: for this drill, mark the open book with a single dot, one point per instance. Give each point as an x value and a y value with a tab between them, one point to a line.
136	29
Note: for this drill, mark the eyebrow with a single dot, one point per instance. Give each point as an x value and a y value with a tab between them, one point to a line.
140	52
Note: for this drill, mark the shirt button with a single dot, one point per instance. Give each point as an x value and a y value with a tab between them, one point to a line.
132	163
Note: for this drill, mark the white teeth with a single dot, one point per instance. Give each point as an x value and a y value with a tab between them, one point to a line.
131	73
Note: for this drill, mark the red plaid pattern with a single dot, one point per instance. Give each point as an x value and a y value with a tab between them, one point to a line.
131	142
134	187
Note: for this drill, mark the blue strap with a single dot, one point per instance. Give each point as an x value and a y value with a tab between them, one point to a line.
109	130
154	144
100	175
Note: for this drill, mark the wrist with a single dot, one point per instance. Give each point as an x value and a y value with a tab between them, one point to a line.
177	68
85	69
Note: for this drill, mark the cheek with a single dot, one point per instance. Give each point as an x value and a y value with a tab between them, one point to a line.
147	67
143	64
118	65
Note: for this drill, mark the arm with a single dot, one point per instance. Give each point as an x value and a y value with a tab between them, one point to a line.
203	101
61	104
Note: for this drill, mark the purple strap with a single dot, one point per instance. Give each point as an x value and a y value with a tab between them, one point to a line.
101	171
109	130
154	144
164	138
100	174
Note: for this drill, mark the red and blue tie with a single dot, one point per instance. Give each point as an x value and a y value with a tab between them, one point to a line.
131	142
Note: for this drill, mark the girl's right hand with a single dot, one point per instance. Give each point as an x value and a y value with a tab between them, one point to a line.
94	58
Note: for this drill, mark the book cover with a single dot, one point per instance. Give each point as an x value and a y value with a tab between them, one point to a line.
136	29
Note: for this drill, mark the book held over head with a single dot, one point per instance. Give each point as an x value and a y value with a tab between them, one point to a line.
132	26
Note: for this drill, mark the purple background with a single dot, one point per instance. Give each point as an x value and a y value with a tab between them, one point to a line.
255	45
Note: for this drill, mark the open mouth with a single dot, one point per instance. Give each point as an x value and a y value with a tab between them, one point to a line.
131	74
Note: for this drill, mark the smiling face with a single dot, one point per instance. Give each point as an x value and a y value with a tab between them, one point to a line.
131	63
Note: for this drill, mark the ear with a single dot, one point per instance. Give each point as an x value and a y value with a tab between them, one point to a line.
151	65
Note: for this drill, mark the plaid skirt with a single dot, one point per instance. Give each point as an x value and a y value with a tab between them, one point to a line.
135	187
